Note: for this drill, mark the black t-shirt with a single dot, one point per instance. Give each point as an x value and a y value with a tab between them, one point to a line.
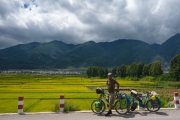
111	85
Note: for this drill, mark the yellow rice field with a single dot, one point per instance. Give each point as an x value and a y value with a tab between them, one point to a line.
41	92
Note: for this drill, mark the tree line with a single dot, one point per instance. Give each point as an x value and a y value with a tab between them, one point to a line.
133	70
138	70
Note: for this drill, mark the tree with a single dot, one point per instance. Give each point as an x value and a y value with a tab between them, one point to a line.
175	67
92	71
156	69
133	70
140	69
114	71
145	71
128	68
88	72
122	71
101	72
105	72
95	71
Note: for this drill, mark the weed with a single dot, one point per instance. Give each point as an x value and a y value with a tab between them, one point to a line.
55	107
68	106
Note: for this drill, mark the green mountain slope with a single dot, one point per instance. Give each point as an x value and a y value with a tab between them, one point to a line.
170	48
33	55
89	53
129	51
57	54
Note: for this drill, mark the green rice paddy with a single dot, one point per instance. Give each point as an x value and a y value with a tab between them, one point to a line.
41	92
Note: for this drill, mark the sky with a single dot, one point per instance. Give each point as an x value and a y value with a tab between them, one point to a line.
79	21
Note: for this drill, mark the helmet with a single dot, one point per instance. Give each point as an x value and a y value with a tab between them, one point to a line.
109	74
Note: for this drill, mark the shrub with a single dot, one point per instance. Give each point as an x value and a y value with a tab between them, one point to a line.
68	106
55	107
135	78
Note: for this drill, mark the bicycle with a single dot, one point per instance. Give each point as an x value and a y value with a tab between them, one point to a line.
150	101
120	104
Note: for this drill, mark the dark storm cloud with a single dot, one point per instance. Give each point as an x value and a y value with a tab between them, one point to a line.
24	21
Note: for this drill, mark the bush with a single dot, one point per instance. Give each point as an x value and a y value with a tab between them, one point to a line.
68	106
135	78
55	107
174	85
166	77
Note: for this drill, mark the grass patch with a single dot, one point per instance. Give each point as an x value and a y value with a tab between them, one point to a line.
68	106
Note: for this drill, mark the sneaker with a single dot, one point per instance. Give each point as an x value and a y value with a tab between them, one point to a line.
107	114
110	112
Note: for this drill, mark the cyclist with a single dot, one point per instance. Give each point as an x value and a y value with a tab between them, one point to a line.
111	88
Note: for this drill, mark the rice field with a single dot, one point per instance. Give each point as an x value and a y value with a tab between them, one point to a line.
41	92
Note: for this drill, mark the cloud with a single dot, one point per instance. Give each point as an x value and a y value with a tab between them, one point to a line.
24	21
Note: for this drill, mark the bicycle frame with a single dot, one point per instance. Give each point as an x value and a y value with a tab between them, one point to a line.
101	103
144	102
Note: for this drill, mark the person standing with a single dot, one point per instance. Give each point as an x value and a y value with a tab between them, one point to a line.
111	88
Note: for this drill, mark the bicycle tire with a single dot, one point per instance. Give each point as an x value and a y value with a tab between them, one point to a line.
121	106
98	110
153	105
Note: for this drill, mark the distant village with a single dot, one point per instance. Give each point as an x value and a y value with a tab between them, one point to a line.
60	72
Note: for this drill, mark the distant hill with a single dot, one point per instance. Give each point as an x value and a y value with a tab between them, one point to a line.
170	48
57	54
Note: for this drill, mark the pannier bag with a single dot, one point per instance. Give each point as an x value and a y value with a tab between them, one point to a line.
155	103
153	97
128	100
122	95
123	104
139	98
153	93
99	90
134	106
159	100
133	93
98	106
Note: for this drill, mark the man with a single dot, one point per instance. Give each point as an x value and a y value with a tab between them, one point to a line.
111	88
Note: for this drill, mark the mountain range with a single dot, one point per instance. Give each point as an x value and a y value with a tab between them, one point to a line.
57	54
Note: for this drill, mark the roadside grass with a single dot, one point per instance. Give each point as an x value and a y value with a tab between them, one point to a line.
42	92
43	105
8	105
68	106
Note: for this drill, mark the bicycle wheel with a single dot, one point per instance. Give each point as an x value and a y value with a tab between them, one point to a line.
98	106
153	105
121	106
